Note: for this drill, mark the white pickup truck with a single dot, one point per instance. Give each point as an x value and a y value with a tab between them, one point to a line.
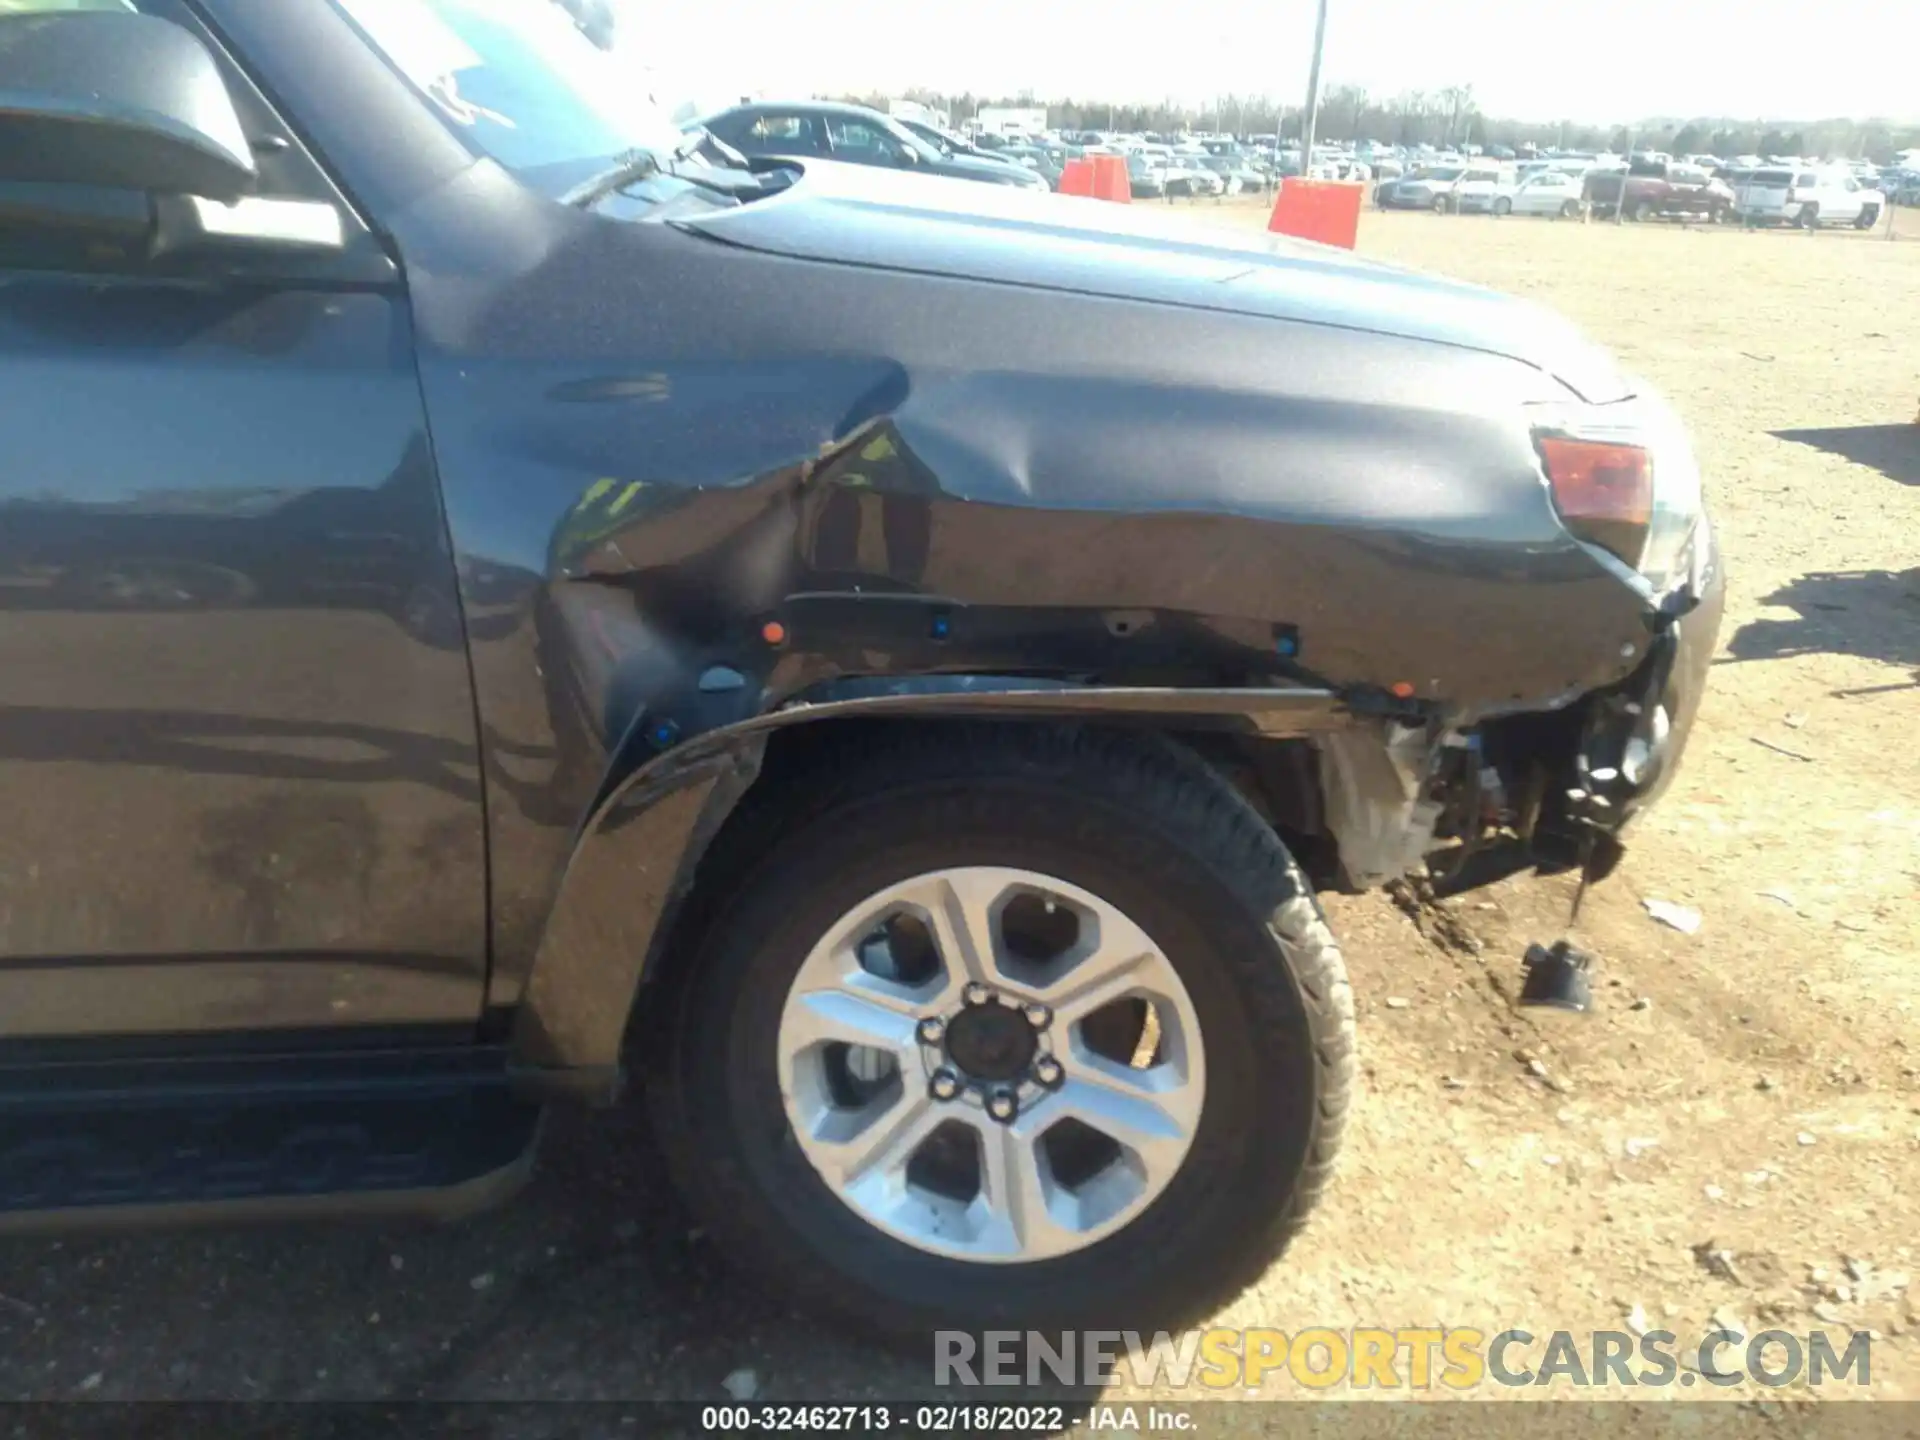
1808	198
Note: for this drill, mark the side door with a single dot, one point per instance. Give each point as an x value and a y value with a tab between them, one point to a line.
1536	195
237	733
858	142
1847	202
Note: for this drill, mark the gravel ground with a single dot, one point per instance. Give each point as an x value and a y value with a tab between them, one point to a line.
1739	1120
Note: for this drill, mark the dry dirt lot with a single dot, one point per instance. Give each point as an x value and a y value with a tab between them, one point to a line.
1736	1126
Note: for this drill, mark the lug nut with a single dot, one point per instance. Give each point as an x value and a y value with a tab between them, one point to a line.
944	1085
1002	1106
1039	1016
932	1030
976	994
1047	1071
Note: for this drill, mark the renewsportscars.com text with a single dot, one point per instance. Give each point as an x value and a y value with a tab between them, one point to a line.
1406	1358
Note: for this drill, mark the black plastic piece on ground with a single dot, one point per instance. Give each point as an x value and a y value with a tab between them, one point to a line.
1557	979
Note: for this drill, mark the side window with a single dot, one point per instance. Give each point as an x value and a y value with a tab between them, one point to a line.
857	140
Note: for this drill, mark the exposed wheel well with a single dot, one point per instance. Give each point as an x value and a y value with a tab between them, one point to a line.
1280	778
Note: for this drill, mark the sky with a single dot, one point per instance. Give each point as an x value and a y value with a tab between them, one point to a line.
1580	60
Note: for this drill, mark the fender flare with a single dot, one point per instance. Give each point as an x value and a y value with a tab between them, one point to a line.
635	857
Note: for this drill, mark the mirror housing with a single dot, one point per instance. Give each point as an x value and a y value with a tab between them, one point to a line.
111	98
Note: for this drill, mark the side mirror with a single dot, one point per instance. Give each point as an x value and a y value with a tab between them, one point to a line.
111	98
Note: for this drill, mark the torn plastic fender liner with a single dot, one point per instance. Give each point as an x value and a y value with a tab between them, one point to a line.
635	857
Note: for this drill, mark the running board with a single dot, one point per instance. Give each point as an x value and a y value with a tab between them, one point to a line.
228	1140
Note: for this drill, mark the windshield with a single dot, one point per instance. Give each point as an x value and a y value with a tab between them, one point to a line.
518	82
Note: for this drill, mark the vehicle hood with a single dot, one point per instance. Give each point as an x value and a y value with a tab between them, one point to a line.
980	165
854	215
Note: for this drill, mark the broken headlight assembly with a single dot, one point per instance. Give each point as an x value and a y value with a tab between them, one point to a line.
1623	480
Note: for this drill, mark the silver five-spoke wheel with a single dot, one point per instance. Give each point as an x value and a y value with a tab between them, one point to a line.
991	1064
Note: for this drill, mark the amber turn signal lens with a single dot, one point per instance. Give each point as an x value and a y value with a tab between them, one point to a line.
1604	492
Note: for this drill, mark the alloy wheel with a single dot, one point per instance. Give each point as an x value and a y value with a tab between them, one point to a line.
991	1064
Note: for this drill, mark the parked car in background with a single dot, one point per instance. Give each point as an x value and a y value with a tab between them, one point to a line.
1809	198
1237	176
1651	190
951	145
1188	175
1477	192
1145	178
1545	192
1046	161
823	130
1429	189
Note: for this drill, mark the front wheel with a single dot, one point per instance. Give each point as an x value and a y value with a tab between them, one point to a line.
1503	206
1868	217
1570	210
1008	1028
1440	205
1809	217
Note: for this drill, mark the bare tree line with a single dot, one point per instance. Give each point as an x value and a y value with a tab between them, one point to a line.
1450	115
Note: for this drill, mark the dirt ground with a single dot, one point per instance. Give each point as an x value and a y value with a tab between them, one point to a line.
1737	1123
1753	1087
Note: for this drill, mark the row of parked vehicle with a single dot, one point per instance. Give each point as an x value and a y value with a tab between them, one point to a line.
1808	195
1157	167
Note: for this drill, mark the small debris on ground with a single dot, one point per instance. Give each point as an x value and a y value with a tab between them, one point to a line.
1398	1002
1414	896
482	1281
1637	1319
1780	749
1643	1002
1638	1146
1785	897
1806	1137
741	1385
1677	917
1716	1260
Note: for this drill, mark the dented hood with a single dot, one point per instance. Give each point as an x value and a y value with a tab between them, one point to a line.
860	216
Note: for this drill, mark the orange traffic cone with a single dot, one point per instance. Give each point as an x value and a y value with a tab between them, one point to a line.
1076	177
1110	180
1324	210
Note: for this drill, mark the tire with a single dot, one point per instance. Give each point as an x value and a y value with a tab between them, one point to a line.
1440	206
1570	210
1639	211
1123	816
1868	217
1809	218
1503	206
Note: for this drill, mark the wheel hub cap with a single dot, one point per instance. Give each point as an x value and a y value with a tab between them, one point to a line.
991	1064
991	1042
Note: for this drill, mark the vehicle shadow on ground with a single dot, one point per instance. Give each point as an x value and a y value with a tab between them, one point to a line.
1893	450
1871	613
591	1286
